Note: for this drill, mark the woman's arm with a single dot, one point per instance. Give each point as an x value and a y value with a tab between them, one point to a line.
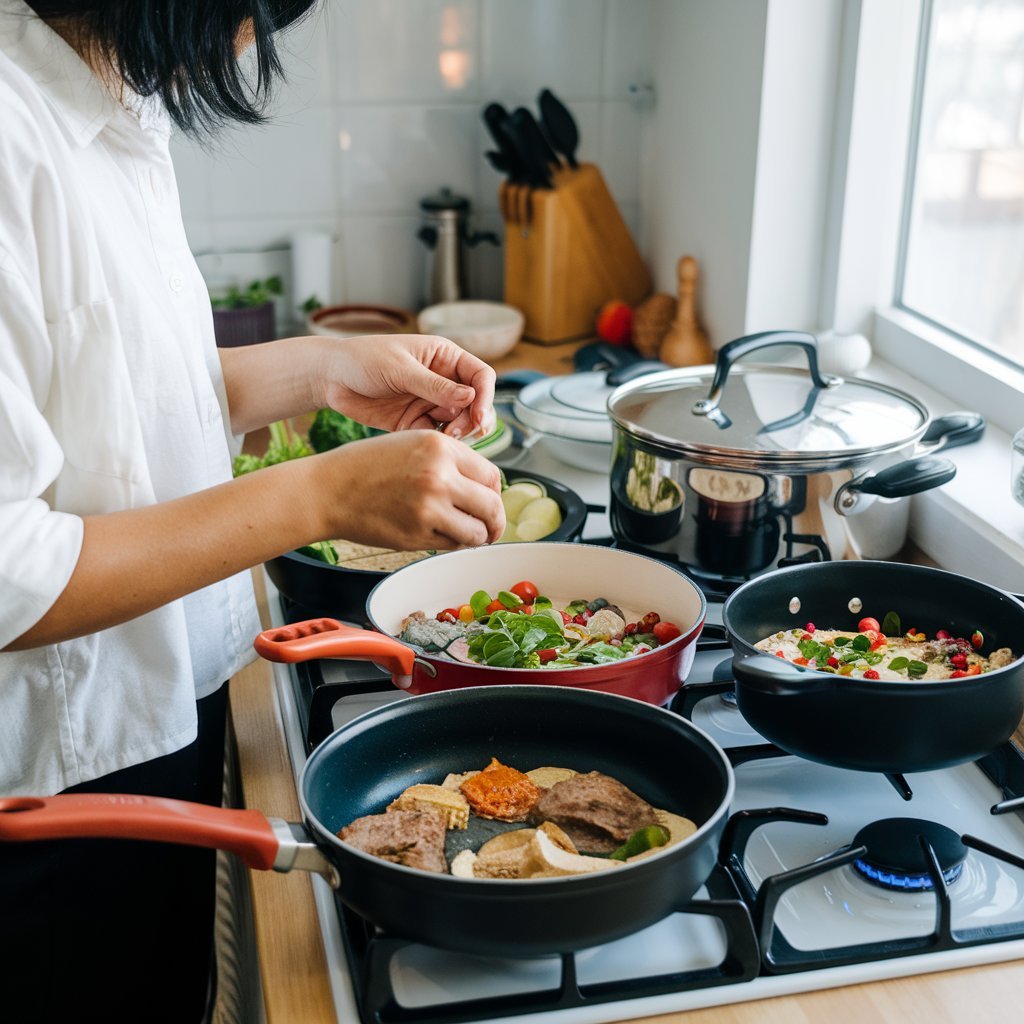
394	382
409	490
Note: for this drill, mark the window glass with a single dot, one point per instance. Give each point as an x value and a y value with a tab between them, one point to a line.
964	240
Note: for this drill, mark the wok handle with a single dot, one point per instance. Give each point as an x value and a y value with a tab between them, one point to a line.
247	833
899	481
951	431
328	638
768	674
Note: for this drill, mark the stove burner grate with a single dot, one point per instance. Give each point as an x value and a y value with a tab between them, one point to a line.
896	855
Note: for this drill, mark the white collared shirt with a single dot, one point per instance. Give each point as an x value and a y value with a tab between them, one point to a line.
111	398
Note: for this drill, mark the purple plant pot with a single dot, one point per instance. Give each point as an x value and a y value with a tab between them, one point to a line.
249	326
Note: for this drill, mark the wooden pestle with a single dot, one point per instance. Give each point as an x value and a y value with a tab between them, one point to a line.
685	344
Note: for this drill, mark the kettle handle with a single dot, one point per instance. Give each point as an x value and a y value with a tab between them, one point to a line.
735	350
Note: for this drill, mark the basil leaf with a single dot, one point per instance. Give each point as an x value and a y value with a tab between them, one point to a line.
899	663
841	641
542	604
860	643
917	668
891	625
508	599
479	602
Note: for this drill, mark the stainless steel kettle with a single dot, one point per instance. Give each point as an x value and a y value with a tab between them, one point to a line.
444	232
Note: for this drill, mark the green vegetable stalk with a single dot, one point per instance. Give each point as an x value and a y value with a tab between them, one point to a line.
331	429
284	446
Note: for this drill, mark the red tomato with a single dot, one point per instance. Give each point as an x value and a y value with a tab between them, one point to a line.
665	631
877	639
868	623
871	674
448	615
565	618
549	654
496	606
525	591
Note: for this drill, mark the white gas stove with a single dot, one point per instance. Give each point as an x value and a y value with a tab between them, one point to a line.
824	880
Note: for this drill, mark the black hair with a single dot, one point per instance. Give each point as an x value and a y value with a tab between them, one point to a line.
184	51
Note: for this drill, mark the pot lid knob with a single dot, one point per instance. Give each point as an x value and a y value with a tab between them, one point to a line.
736	350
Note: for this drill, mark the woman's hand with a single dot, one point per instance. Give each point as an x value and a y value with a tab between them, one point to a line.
405	381
408	490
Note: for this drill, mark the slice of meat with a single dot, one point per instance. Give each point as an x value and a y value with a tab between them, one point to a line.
596	811
500	792
413	838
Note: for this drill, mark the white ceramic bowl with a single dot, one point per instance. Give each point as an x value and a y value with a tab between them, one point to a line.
488	330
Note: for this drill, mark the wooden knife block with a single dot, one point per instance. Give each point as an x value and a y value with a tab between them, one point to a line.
567	252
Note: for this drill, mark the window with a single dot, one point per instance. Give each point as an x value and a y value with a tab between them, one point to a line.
962	246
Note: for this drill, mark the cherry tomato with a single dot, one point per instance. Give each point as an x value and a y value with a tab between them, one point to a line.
871	674
868	623
566	618
496	606
810	627
548	654
800	661
977	639
959	660
525	591
958	674
943	635
524	609
466	613
877	639
779	654
665	631
448	615
833	662
631	628
974	670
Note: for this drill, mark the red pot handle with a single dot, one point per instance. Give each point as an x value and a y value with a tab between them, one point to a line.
328	638
113	816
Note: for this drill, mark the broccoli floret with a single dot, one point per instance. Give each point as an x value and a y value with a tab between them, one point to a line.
284	445
330	429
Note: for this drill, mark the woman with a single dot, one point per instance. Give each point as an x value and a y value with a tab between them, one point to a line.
123	540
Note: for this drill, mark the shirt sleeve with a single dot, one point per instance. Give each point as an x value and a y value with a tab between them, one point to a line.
39	547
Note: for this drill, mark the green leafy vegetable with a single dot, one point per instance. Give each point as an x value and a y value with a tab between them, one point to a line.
891	625
508	599
860	643
586	653
575	607
643	839
917	668
541	604
322	550
508	639
257	294
841	641
331	429
284	446
479	602
899	663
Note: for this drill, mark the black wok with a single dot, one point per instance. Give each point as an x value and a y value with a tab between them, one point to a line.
342	591
880	726
364	765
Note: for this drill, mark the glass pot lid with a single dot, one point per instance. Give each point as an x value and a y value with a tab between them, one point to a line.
767	415
573	406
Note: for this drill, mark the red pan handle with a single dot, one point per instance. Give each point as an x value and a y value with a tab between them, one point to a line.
328	638
248	834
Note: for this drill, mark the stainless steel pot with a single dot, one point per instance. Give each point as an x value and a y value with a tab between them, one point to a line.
730	468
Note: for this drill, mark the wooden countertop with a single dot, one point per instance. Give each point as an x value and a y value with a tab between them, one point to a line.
292	964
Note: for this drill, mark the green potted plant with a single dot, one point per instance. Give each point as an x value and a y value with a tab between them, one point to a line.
245	316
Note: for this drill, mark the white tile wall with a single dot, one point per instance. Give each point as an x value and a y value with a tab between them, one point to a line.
382	106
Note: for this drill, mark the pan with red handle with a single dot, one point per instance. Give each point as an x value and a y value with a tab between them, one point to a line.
634	582
364	765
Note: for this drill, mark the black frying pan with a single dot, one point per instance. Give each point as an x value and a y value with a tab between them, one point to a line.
880	726
364	765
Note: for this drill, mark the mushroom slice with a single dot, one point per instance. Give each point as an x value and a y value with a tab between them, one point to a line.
545	778
550	861
505	855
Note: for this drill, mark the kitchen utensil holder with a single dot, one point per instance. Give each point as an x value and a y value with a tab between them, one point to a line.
567	252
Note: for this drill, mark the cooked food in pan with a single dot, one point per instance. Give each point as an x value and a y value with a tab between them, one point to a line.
529	513
521	628
583	822
886	652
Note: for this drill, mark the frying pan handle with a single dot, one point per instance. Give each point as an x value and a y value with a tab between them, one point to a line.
328	638
249	834
768	674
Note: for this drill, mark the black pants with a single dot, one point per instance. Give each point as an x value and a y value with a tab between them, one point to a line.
116	930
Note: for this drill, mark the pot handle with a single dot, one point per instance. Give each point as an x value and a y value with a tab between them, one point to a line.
899	481
951	431
736	350
775	676
328	638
